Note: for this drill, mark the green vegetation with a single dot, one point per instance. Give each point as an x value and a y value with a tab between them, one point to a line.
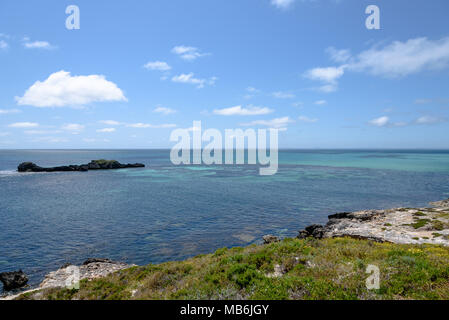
444	215
419	223
419	214
290	269
438	225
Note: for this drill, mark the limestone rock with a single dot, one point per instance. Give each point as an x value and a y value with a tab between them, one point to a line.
401	225
270	239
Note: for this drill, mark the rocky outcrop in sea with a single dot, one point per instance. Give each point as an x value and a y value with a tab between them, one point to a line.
93	165
13	280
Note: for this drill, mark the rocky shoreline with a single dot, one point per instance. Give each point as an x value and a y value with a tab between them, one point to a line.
93	165
400	225
69	275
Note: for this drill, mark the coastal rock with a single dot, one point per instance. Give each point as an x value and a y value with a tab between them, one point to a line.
111	164
315	231
401	225
270	239
92	268
97	260
29	167
13	280
441	204
93	165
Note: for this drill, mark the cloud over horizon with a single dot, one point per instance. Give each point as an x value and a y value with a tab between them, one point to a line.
238	110
395	60
277	123
61	89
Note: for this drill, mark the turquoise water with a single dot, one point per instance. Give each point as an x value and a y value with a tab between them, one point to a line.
165	212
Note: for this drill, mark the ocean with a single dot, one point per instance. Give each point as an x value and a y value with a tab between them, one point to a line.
165	212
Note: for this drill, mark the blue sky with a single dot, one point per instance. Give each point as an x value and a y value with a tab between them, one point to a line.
136	70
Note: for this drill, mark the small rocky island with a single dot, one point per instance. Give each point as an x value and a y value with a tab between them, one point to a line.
93	165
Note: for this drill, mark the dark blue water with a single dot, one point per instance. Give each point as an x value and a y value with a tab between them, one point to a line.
164	212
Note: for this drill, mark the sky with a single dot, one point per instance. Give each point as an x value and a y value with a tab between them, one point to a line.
136	70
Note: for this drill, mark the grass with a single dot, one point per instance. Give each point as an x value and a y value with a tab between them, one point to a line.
444	215
419	214
312	269
438	225
419	223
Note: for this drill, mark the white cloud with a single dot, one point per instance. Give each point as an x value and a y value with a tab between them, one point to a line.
320	102
9	111
397	59
429	120
37	44
188	53
147	125
157	65
190	79
61	89
3	45
385	122
73	127
328	75
424	120
110	122
307	119
164	110
282	4
341	56
139	125
274	123
106	130
24	125
283	95
380	122
404	58
238	110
